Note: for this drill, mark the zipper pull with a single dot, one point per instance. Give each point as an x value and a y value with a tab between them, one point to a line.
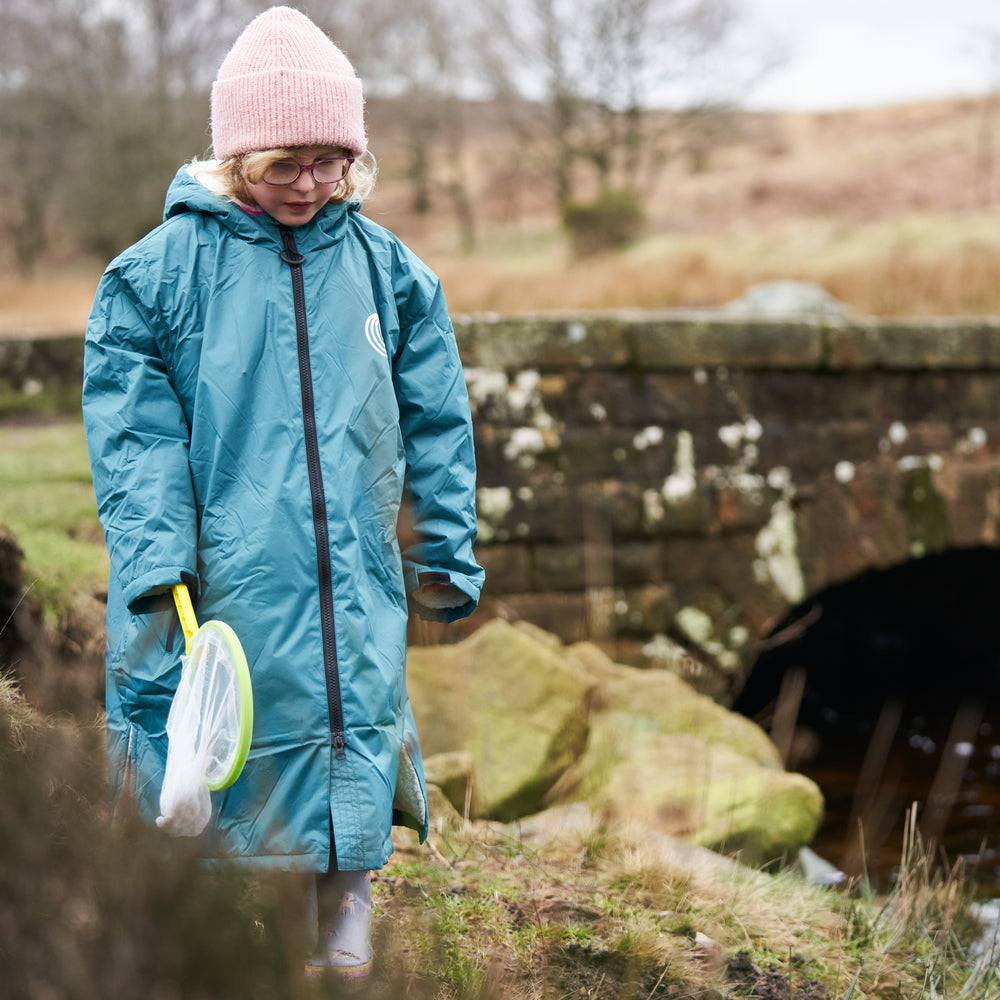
340	745
290	254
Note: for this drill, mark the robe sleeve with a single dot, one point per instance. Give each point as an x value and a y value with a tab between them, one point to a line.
440	569
138	440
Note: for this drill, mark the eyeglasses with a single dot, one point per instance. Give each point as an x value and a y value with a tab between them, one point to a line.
329	171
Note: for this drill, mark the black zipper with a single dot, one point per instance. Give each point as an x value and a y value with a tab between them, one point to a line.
291	256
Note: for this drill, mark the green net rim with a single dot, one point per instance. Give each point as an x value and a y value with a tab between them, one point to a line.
245	687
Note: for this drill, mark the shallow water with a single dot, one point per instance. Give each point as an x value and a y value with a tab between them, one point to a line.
955	788
892	683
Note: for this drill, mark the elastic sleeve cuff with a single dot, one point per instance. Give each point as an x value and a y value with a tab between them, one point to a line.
449	603
151	592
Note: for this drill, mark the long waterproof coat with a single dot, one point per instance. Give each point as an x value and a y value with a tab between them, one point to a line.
253	399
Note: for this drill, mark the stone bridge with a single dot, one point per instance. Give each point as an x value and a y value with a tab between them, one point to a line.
694	477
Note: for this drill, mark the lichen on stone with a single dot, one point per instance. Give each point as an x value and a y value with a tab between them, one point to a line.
844	471
523	394
747	430
681	483
484	386
524	443
974	440
493	504
926	511
648	437
698	626
898	432
777	546
695	623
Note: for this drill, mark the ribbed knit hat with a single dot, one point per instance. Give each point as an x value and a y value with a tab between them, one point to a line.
284	83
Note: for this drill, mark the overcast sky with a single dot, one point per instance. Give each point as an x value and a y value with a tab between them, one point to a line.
856	53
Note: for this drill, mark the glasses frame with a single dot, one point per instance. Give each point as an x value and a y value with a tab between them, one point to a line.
311	167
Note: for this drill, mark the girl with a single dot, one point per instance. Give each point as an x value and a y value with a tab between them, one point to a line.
261	370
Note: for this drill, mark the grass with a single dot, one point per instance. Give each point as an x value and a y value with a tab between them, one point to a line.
920	265
628	922
47	502
57	300
929	913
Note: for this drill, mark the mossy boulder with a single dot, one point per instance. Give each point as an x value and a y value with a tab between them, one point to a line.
663	756
661	701
548	725
520	706
680	784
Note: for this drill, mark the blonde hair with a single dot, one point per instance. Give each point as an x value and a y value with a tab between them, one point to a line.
234	176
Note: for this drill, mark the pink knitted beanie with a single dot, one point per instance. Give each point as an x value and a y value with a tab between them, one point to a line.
284	83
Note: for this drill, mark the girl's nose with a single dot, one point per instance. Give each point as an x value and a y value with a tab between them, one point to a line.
304	182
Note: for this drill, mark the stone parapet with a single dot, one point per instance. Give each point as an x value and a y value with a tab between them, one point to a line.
683	340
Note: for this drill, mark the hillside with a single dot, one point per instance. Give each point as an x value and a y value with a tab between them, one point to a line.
895	210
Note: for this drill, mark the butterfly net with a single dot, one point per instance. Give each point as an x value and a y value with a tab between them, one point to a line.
203	732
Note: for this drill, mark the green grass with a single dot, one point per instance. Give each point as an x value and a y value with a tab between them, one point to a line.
629	922
47	503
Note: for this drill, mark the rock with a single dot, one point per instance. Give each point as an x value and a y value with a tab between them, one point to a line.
548	725
681	785
709	951
682	855
445	822
788	299
570	822
444	816
670	705
817	870
518	705
988	915
452	774
15	633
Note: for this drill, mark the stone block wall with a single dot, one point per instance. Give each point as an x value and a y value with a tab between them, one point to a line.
691	476
41	371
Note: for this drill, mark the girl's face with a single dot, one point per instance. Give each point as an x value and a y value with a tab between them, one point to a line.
297	203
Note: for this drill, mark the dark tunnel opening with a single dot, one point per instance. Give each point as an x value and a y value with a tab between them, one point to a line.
884	690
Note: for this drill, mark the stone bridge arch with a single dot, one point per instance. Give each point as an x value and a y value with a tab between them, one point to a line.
704	482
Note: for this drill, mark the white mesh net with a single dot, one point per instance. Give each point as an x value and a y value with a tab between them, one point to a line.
203	732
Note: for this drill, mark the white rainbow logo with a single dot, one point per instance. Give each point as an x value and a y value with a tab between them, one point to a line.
373	334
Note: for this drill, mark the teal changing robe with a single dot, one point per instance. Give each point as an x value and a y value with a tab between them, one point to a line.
259	450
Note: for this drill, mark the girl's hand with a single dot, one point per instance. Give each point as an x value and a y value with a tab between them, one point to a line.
439	595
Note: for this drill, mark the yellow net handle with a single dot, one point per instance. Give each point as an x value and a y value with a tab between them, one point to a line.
185	610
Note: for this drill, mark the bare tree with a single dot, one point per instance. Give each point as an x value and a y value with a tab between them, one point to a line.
418	53
105	99
104	102
607	70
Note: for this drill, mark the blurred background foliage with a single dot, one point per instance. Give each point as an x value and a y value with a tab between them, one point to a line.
536	153
102	101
